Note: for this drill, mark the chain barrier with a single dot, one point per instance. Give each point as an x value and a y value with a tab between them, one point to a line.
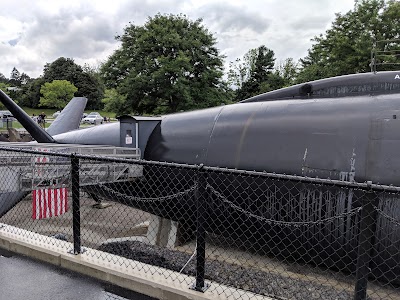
150	199
283	223
252	234
386	216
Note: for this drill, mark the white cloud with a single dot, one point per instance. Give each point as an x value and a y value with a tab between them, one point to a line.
10	29
33	33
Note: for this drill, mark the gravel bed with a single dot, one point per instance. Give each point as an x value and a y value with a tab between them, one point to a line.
249	279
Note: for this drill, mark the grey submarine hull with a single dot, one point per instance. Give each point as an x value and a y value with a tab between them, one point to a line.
346	137
345	128
326	138
350	136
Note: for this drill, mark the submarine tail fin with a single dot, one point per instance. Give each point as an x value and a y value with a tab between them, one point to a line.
69	118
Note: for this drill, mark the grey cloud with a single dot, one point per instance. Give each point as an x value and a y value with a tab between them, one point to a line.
30	67
80	33
137	11
233	18
71	34
86	34
309	23
83	33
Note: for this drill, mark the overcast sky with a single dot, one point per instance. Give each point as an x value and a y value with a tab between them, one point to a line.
36	32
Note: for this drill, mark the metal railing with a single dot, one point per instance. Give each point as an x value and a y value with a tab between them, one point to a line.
385	54
258	233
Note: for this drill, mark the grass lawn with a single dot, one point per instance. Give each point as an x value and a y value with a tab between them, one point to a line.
49	112
16	124
37	111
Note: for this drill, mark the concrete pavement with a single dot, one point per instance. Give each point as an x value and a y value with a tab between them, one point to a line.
24	278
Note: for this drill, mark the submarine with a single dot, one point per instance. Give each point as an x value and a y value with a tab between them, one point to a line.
325	128
343	128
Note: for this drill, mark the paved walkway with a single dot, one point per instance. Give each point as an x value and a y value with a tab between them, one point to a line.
22	278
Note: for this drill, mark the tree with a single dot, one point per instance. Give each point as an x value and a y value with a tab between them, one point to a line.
288	71
346	47
255	74
114	101
240	71
57	94
15	78
3	86
31	92
88	85
24	79
169	64
61	69
3	78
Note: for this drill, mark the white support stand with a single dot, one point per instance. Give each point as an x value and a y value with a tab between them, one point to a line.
162	232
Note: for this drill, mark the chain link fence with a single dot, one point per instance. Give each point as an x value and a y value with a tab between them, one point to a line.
235	233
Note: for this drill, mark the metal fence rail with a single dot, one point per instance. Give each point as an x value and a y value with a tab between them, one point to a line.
274	235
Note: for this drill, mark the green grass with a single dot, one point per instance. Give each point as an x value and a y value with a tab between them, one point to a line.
49	112
16	124
103	113
13	125
37	111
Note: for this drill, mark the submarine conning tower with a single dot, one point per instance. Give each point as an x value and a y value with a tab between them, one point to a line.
387	82
135	131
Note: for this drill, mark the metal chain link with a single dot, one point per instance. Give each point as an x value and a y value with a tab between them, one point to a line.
283	223
301	244
385	215
150	199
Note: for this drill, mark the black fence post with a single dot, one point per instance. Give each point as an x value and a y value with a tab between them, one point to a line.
201	207
76	213
365	243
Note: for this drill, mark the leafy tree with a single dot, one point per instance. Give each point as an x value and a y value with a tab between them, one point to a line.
255	73
3	78
24	79
288	71
61	69
346	47
90	87
169	64
114	101
88	84
17	82
4	86
15	78
31	92
57	93
240	71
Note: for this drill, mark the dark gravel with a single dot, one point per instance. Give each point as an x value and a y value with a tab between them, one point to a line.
249	279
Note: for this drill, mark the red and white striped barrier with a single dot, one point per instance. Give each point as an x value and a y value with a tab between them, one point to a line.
49	203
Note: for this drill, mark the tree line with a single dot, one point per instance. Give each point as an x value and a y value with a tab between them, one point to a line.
172	64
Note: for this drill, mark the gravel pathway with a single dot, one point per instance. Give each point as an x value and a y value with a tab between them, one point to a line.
249	279
282	280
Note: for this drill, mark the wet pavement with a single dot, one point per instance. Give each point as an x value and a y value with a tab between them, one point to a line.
24	278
